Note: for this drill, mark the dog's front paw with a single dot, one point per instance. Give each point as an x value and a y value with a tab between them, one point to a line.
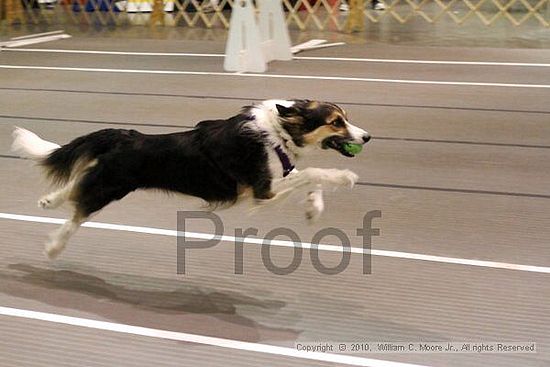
331	176
342	177
348	178
314	206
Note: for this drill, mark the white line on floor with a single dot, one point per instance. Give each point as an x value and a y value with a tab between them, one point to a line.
312	58
411	61
281	243
276	76
199	339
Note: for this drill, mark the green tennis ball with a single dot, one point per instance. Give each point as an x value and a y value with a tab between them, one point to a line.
352	148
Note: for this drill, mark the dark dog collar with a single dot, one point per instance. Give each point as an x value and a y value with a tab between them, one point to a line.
285	161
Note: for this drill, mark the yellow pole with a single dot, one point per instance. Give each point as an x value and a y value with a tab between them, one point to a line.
14	11
356	17
158	12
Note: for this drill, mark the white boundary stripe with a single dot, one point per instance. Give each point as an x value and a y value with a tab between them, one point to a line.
281	243
312	58
276	76
200	339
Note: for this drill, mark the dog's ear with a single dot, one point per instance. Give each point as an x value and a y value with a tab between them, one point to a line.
287	111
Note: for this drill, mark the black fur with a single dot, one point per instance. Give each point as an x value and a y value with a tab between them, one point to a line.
213	162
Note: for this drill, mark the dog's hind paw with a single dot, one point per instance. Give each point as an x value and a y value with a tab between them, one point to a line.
50	201
52	249
44	203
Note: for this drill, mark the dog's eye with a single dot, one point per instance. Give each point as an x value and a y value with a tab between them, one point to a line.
337	122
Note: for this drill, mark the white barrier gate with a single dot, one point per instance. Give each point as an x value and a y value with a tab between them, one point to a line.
250	46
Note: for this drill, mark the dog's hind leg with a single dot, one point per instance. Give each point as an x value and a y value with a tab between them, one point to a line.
57	198
93	191
59	238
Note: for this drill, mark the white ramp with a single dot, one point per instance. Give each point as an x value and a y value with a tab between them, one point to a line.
243	51
275	38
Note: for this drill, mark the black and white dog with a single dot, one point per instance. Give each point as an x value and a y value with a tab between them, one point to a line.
220	161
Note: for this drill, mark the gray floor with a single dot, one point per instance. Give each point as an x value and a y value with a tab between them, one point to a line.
457	171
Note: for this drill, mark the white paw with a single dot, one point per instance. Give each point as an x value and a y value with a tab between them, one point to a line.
340	177
52	249
314	206
348	178
44	202
332	176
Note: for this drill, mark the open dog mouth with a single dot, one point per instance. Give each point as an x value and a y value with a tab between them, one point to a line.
337	143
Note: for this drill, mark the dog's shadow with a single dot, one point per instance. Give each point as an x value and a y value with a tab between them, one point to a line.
162	296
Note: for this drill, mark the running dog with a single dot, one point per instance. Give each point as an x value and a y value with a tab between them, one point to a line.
221	161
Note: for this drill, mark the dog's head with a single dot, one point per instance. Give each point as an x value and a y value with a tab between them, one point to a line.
321	124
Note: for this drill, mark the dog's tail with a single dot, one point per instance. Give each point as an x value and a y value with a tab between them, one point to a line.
60	162
29	145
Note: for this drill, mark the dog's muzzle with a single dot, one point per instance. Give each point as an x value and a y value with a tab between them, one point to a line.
337	142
